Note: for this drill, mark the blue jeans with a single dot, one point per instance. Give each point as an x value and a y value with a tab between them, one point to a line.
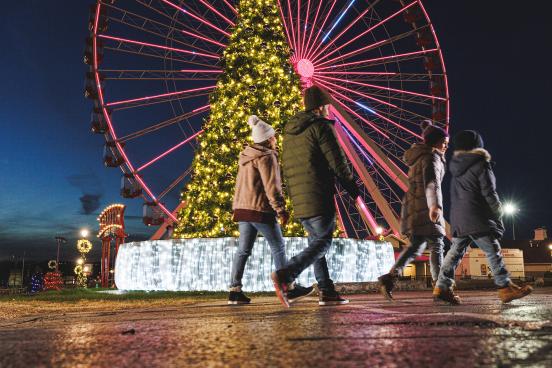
320	230
487	244
248	234
417	247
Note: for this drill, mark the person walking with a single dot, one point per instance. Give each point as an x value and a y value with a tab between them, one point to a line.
258	200
312	161
476	216
422	208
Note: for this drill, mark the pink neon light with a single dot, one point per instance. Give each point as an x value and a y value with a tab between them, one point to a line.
206	107
361	94
305	68
196	17
203	38
159	96
379	59
299	50
169	151
367	122
200	71
320	31
381	162
339	216
217	12
110	124
442	61
349	54
292	29
380	115
212	56
365	32
386	88
369	217
305	30
230	6
308	45
357	73
285	24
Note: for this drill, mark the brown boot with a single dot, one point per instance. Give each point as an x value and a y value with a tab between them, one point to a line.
446	295
512	292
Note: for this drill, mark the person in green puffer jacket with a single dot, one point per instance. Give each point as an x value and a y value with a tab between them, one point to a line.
312	162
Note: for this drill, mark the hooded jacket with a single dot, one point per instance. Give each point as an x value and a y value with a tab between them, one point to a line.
425	175
312	160
258	194
475	205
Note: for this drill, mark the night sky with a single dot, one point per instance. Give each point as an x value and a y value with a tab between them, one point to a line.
497	59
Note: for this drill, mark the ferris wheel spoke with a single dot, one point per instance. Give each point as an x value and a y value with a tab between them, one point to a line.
359	17
320	29
367	48
382	60
140	52
175	183
170	150
358	93
196	17
164	95
164	124
149	74
204	38
231	6
370	29
291	23
312	28
375	86
150	26
147	44
214	10
304	29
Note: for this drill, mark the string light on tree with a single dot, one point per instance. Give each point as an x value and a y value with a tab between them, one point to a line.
257	79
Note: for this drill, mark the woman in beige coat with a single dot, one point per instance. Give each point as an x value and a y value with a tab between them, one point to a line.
258	202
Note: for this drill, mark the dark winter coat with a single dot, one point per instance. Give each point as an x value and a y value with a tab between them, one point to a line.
475	205
427	169
311	161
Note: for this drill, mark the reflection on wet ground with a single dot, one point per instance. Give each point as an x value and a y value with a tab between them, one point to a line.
413	332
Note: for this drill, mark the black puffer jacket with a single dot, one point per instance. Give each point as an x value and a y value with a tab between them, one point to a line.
312	160
475	206
427	169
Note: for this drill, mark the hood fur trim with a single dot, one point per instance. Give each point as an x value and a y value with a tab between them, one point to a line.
477	151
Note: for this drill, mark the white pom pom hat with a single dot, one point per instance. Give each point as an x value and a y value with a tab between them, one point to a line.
260	131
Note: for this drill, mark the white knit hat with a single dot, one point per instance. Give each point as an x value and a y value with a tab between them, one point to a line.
260	131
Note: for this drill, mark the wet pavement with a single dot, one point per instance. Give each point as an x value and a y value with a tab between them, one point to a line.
369	332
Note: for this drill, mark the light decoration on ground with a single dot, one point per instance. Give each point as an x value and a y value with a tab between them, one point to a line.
37	282
204	264
83	246
257	78
53	280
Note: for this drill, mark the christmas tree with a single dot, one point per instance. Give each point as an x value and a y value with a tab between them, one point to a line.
257	79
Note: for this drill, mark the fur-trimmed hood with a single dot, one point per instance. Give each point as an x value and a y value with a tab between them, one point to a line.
463	160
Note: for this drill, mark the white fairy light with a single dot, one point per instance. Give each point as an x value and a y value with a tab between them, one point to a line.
205	264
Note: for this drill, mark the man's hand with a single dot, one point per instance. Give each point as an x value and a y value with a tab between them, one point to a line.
435	214
284	218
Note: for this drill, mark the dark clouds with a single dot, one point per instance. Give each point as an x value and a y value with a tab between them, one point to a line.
91	189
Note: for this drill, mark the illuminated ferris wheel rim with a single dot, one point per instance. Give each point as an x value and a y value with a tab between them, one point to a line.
309	60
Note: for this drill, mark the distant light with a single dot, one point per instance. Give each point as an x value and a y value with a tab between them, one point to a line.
84	233
80	261
379	230
86	269
510	209
550	246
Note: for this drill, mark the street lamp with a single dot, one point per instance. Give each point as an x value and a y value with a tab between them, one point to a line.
84	233
510	209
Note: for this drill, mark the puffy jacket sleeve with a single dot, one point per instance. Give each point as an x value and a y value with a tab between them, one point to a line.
432	181
487	183
336	159
269	169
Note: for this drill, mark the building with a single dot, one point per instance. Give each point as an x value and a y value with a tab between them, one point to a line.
475	263
537	253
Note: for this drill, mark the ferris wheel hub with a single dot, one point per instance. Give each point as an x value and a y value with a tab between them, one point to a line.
305	68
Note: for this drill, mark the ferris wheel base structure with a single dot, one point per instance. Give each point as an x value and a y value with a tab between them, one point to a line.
205	264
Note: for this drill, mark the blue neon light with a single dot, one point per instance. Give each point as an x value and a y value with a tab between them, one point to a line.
337	21
365	107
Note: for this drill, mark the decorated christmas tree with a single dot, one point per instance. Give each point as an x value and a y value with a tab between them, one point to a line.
257	79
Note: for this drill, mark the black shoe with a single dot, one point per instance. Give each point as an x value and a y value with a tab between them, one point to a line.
238	297
331	297
387	282
299	292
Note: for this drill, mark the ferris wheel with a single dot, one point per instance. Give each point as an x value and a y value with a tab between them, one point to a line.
153	64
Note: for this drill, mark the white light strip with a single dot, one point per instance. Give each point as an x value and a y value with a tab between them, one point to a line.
205	264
